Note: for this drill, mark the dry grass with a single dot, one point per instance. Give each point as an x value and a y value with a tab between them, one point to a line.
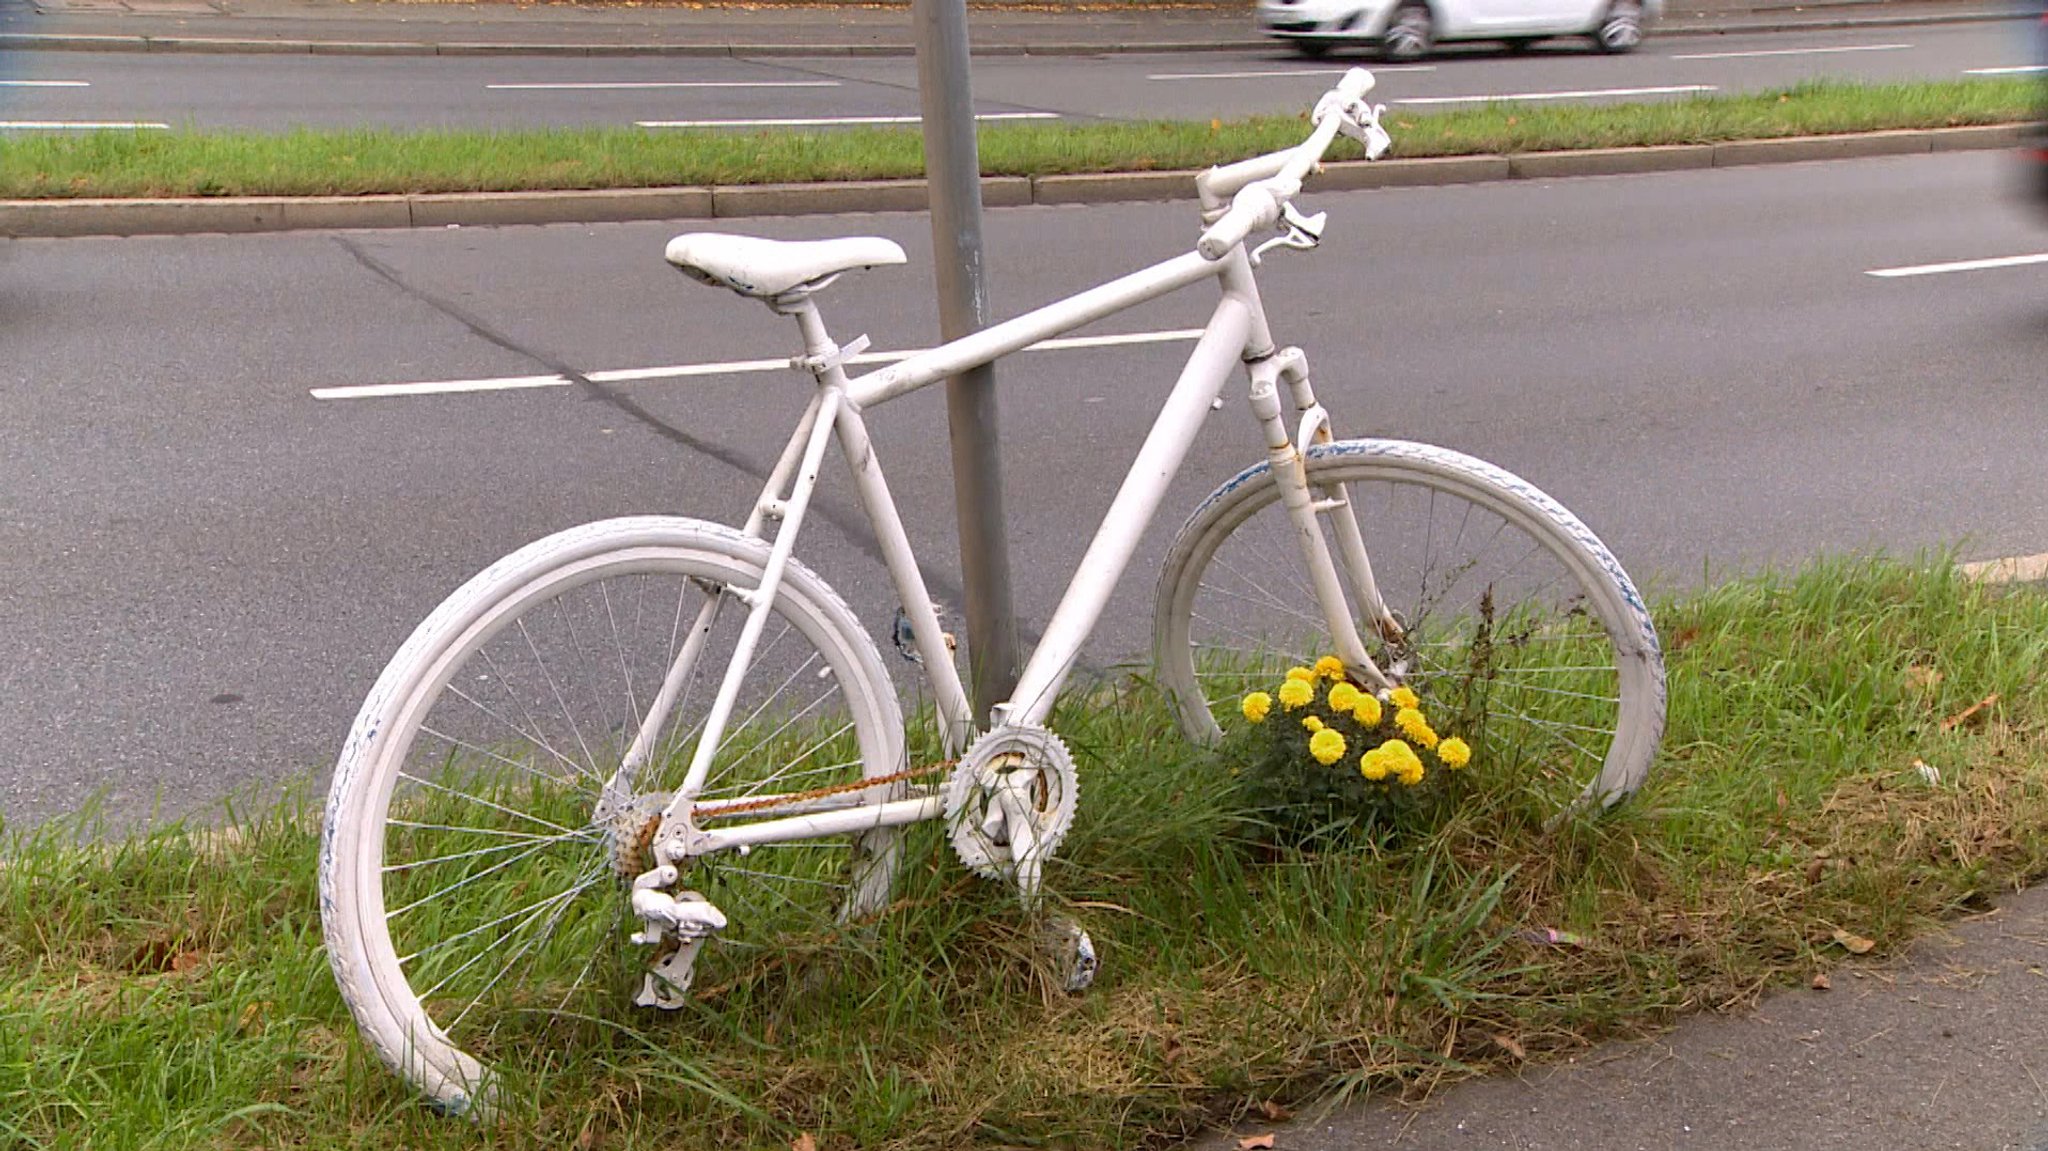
173	992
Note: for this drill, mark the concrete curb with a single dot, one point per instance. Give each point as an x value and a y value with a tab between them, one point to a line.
82	42
23	219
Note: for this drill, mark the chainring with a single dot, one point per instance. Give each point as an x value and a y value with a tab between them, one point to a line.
1036	771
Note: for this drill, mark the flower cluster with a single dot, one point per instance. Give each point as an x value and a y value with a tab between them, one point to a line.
1321	751
1394	757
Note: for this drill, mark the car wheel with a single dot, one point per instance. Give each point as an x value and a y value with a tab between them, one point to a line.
1412	32
1313	49
1621	29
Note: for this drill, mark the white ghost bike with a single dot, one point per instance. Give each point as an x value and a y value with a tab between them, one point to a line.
644	748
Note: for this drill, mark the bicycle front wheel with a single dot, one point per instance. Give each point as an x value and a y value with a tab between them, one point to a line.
1516	624
479	835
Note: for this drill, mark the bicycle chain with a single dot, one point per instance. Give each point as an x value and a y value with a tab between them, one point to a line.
795	797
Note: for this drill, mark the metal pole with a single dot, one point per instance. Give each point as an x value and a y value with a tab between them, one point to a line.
953	172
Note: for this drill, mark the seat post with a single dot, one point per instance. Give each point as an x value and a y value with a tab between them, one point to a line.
822	358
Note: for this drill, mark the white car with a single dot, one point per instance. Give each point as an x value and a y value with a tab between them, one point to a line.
1408	29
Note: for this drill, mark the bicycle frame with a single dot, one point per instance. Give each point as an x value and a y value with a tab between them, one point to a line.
1237	332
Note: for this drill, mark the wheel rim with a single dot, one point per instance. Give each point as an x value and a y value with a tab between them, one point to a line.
490	887
1623	28
1546	702
1408	37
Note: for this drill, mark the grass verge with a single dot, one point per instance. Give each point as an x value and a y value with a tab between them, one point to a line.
366	161
170	991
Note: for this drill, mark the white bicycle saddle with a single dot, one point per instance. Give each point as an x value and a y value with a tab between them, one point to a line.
765	269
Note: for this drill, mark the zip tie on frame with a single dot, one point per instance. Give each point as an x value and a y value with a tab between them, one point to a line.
826	361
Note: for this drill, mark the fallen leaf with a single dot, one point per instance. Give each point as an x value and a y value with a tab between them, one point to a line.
1254	1143
1856	944
1815	870
1508	1044
1969	713
1274	1111
803	1142
589	1138
251	1019
1551	935
1784	801
1820	983
1922	678
187	961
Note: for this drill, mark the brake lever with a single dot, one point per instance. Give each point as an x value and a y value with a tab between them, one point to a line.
1299	231
1362	123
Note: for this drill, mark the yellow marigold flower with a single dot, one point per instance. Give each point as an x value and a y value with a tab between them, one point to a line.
1312	723
1402	762
1327	746
1330	667
1372	765
1454	752
1366	710
1306	673
1256	705
1295	693
1403	697
1344	697
1412	725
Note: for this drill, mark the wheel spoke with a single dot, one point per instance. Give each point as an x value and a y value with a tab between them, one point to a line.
480	782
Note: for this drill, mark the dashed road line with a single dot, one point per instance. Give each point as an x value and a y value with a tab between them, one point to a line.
1259	75
1957	266
79	126
1793	52
638	85
2021	70
45	84
728	368
830	121
1581	94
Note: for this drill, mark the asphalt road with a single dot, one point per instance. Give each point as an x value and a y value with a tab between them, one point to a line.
206	566
275	91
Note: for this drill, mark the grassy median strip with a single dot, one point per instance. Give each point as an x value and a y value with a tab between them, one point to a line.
367	161
1855	753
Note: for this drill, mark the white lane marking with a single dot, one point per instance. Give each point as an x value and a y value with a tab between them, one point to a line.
2009	569
1794	52
728	368
76	125
1286	72
45	84
1583	94
830	121
1958	266
2021	70
636	85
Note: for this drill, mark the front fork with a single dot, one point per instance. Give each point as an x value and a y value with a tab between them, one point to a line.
1286	452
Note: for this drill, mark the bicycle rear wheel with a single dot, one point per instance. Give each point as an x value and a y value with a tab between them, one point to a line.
1519	627
474	862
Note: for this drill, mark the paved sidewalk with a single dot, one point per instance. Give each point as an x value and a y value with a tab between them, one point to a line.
387	26
1947	1050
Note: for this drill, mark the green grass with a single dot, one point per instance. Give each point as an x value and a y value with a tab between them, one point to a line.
170	991
365	161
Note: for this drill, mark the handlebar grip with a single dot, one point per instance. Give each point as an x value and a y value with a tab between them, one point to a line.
1355	84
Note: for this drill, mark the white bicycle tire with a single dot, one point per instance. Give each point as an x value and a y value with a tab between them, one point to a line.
1619	607
365	965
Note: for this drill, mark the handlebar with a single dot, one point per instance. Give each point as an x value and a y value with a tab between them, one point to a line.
1266	184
